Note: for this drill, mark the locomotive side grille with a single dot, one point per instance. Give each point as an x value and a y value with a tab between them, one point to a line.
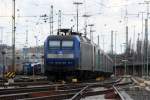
60	56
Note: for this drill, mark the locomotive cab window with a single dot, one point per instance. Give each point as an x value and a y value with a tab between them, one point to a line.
67	44
54	44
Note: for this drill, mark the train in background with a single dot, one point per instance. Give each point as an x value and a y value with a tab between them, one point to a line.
71	55
28	68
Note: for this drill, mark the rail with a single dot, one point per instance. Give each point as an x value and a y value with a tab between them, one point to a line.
70	95
14	96
78	95
56	91
51	97
122	97
56	87
23	84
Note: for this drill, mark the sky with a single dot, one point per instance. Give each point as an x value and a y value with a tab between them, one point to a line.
106	15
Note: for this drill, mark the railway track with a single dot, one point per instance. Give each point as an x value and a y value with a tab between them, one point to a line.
72	91
24	84
135	91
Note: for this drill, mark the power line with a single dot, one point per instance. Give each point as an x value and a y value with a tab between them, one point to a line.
18	16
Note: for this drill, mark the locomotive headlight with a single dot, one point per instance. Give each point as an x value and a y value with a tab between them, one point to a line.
70	56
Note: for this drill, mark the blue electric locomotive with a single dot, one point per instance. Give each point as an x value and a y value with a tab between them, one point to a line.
69	54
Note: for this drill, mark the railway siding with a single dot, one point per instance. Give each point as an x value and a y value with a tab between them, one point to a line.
72	91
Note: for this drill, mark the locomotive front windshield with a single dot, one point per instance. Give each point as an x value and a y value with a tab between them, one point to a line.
54	44
67	44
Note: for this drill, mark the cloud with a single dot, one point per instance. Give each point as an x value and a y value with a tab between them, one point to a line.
107	15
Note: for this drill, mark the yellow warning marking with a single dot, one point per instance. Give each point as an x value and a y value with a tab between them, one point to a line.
10	75
13	76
